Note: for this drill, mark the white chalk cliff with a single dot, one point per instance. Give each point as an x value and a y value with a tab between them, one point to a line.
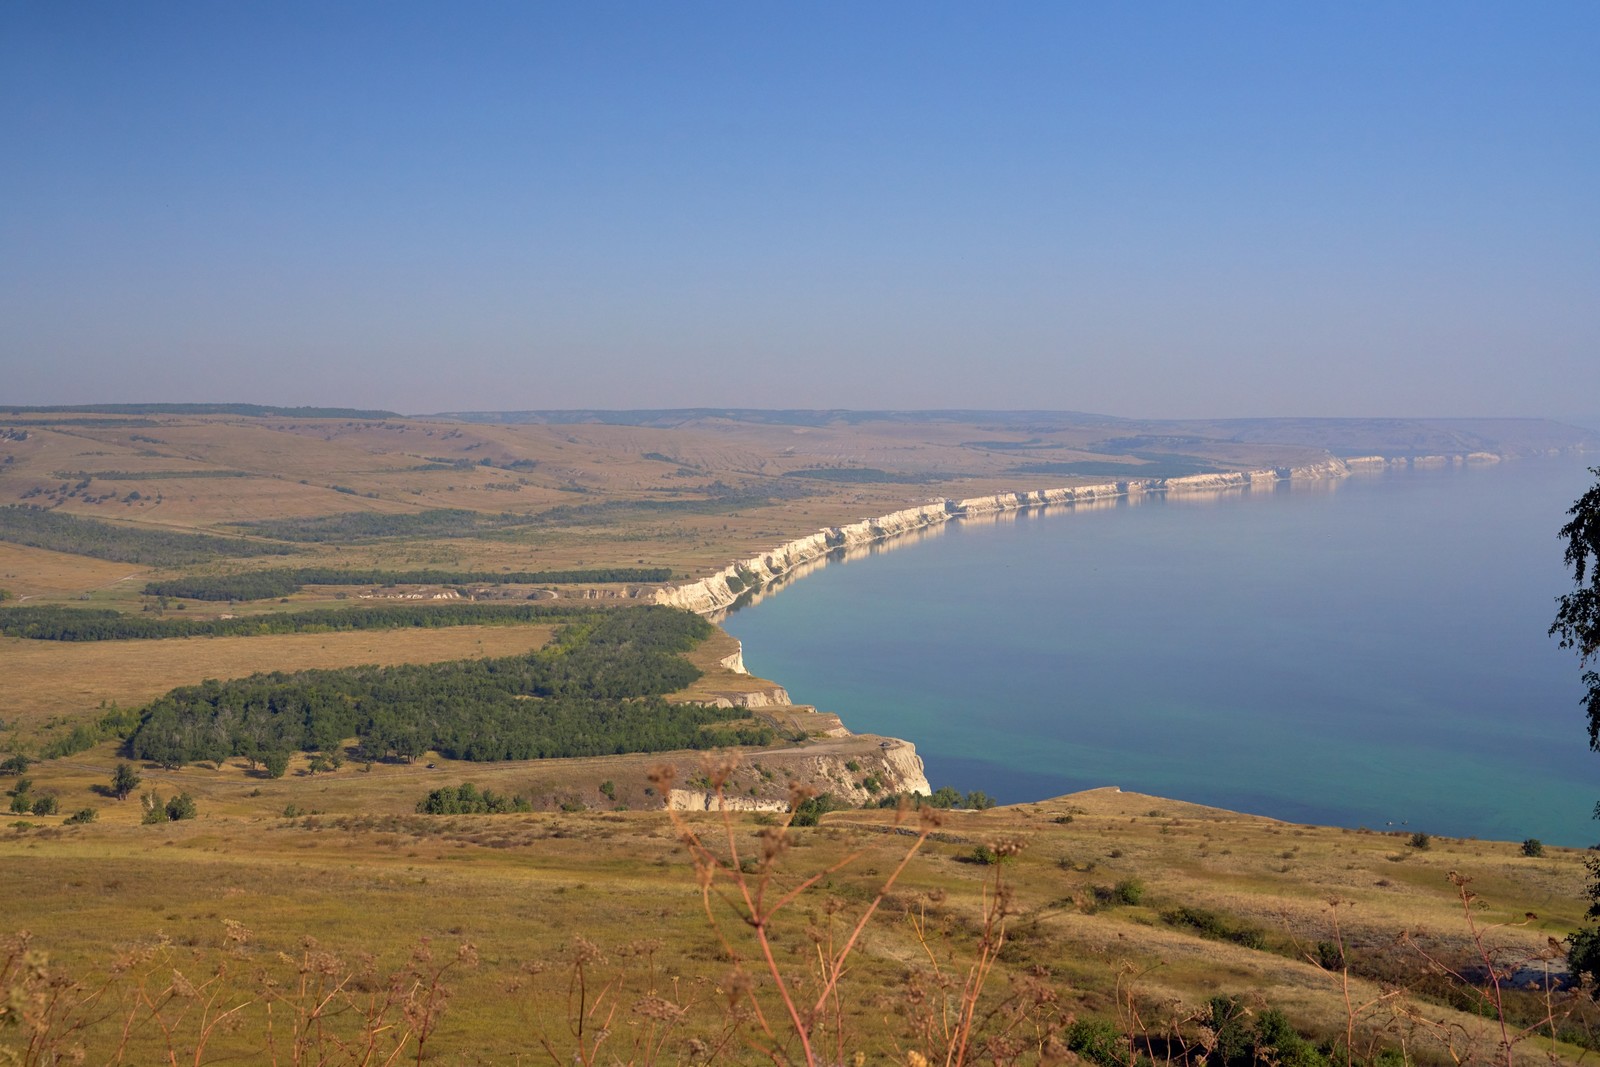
720	590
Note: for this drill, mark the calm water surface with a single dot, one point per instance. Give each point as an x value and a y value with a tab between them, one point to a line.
1360	653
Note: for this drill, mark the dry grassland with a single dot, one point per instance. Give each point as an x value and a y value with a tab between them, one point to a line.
366	875
34	573
520	887
45	679
296	465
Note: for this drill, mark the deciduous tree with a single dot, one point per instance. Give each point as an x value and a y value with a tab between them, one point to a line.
125	781
1578	626
1578	615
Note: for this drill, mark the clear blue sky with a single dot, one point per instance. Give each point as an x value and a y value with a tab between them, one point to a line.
1146	209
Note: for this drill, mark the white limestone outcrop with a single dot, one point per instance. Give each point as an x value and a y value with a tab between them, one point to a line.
721	589
705	800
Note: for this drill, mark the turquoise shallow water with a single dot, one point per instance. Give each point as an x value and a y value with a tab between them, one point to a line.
1361	653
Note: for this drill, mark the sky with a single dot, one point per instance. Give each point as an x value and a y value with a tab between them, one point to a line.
1150	209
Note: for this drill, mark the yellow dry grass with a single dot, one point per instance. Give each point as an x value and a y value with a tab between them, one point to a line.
296	465
369	876
32	573
44	679
520	886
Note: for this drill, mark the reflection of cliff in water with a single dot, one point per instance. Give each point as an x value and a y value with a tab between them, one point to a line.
747	581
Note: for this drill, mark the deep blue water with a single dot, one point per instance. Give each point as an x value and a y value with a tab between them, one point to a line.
1360	653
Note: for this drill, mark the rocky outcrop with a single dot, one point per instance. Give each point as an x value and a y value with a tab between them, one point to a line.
1213	482
718	591
735	661
773	697
864	778
1040	497
1311	472
704	800
859	771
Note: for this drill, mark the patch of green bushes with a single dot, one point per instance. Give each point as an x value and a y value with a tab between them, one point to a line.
465	799
50	623
595	690
60	532
1216	927
1246	1038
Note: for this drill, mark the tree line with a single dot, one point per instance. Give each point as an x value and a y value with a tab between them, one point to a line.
60	532
597	689
365	525
52	623
281	582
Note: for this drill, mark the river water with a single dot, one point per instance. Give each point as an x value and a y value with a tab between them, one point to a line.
1364	652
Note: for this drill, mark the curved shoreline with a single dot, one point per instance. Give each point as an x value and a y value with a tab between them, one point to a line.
715	594
907	664
720	591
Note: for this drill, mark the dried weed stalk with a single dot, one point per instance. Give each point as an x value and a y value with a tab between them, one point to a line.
748	889
155	1004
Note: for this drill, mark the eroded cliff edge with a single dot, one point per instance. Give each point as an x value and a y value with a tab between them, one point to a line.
719	591
859	769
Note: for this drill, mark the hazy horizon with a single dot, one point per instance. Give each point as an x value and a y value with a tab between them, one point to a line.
1154	211
1581	421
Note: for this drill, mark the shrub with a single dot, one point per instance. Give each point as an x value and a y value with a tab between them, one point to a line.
155	809
1097	1041
181	807
45	805
1420	840
1533	847
81	816
1277	1042
1210	924
1128	891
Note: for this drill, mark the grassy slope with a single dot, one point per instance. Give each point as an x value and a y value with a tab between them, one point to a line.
519	886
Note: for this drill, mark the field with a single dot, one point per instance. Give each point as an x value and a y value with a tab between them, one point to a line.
1121	910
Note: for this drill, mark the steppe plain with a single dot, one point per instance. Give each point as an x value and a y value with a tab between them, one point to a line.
1121	911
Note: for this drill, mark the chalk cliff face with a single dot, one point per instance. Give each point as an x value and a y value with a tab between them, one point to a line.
774	697
1041	497
1328	468
727	585
718	591
859	777
702	800
1211	482
715	593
